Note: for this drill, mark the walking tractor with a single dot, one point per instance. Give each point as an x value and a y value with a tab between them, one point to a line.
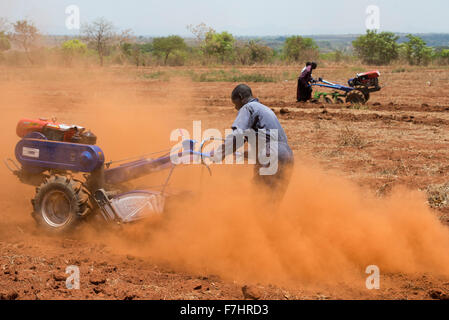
357	92
74	183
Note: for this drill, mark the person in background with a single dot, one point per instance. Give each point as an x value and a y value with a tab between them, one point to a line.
304	90
307	64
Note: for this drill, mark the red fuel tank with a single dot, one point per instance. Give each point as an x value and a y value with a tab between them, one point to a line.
26	126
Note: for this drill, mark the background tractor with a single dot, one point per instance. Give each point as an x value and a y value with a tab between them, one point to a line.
357	92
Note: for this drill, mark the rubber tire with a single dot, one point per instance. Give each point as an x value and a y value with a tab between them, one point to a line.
365	92
328	100
75	192
355	96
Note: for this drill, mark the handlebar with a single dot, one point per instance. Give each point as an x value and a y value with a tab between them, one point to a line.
188	147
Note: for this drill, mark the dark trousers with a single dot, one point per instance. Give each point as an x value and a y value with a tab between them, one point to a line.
303	92
274	186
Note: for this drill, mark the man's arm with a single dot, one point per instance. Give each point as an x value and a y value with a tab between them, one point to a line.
236	139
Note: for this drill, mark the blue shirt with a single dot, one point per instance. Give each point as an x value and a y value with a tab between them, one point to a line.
258	117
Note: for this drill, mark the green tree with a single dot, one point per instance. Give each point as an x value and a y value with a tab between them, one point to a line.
25	35
299	49
4	42
416	51
164	46
377	48
220	45
72	49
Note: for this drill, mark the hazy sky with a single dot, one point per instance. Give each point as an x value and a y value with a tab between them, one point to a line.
241	17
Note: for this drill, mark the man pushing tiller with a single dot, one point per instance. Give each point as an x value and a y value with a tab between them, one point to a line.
254	117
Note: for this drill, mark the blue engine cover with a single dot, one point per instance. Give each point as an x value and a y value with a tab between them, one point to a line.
36	155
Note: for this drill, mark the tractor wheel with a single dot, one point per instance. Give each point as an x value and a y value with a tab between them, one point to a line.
355	97
328	100
364	90
339	101
60	204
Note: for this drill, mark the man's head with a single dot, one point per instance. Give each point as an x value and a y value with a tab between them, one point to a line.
314	65
241	95
308	64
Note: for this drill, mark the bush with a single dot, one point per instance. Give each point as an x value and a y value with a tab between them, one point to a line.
178	58
259	53
300	49
252	52
135	54
442	57
377	48
73	49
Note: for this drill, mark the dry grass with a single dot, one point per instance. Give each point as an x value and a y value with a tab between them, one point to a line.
350	138
438	195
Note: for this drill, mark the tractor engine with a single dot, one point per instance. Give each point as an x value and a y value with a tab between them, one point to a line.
50	130
369	80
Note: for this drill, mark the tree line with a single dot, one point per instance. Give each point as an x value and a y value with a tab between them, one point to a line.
101	42
383	48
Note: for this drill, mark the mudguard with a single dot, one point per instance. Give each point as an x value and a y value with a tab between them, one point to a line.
131	206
